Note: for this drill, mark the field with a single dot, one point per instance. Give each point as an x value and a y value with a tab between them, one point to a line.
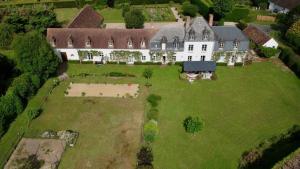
65	15
112	15
244	106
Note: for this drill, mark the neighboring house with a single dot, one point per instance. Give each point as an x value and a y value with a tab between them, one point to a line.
87	18
283	6
231	45
259	37
194	41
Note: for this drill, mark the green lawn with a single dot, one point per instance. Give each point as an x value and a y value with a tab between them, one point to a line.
112	15
65	15
244	106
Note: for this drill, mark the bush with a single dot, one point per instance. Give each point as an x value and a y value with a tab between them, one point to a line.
145	157
152	114
118	74
267	52
153	99
147	63
33	113
6	35
192	124
242	25
293	34
238	64
203	6
288	56
134	19
150	131
189	9
221	64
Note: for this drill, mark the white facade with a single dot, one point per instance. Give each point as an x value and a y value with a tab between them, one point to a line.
271	44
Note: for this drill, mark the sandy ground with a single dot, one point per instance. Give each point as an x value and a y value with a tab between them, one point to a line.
103	90
49	150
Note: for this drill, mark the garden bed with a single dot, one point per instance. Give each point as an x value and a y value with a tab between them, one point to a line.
102	90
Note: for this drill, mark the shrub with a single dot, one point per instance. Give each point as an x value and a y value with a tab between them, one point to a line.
242	24
268	52
134	19
203	6
189	9
6	35
238	64
150	131
145	157
147	73
221	64
33	113
293	34
153	99
288	56
192	124
152	114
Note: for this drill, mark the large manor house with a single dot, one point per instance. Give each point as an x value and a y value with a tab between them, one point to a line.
84	39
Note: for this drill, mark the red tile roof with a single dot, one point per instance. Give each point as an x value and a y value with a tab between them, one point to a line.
86	18
289	4
100	37
256	35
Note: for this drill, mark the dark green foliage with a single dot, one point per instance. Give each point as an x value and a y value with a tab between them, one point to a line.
242	25
147	63
79	3
6	35
147	73
134	19
221	64
31	162
150	131
152	114
153	99
119	74
10	106
292	60
293	35
23	87
145	156
221	7
189	9
143	2
36	57
267	52
203	7
125	9
259	2
237	14
110	3
192	124
270	151
36	18
7	72
33	113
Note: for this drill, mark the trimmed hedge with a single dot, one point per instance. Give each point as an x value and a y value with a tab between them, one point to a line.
221	64
147	63
291	59
268	52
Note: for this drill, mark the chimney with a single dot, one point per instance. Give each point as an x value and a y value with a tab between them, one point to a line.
187	22
211	20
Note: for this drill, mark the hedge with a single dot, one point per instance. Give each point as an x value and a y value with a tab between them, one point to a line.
147	63
204	6
291	59
56	4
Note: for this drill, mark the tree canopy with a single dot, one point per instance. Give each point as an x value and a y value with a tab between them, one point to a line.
36	57
192	124
134	19
6	35
293	34
221	7
189	9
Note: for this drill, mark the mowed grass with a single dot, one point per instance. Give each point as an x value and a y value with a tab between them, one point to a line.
65	15
244	106
112	15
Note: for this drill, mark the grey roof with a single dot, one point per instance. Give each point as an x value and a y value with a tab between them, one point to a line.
228	35
199	66
199	25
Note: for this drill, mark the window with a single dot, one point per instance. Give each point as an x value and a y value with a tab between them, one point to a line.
143	57
129	44
202	58
191	47
221	44
143	44
189	58
204	47
101	54
88	42
89	56
235	44
176	45
70	43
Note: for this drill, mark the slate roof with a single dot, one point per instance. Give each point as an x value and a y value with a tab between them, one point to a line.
100	37
289	4
199	66
228	35
86	18
257	35
199	24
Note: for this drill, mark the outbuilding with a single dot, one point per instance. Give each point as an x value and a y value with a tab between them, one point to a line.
202	69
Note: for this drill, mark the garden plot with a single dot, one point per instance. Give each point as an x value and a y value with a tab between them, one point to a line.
46	153
102	90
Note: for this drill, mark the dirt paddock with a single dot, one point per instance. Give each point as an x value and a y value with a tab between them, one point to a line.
102	90
48	150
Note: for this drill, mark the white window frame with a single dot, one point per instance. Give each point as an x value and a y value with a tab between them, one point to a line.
204	47
191	48
203	58
190	58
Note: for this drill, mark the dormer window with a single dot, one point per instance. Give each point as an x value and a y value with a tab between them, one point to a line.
192	34
53	41
164	41
143	43
176	43
221	44
70	41
235	44
88	42
205	34
111	43
129	43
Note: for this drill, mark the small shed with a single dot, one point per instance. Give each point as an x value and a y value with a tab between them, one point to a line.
204	69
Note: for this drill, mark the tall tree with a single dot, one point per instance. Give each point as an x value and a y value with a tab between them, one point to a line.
36	57
221	7
134	19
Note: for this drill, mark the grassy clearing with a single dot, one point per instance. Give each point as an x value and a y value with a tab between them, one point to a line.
157	13
65	15
244	106
112	15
